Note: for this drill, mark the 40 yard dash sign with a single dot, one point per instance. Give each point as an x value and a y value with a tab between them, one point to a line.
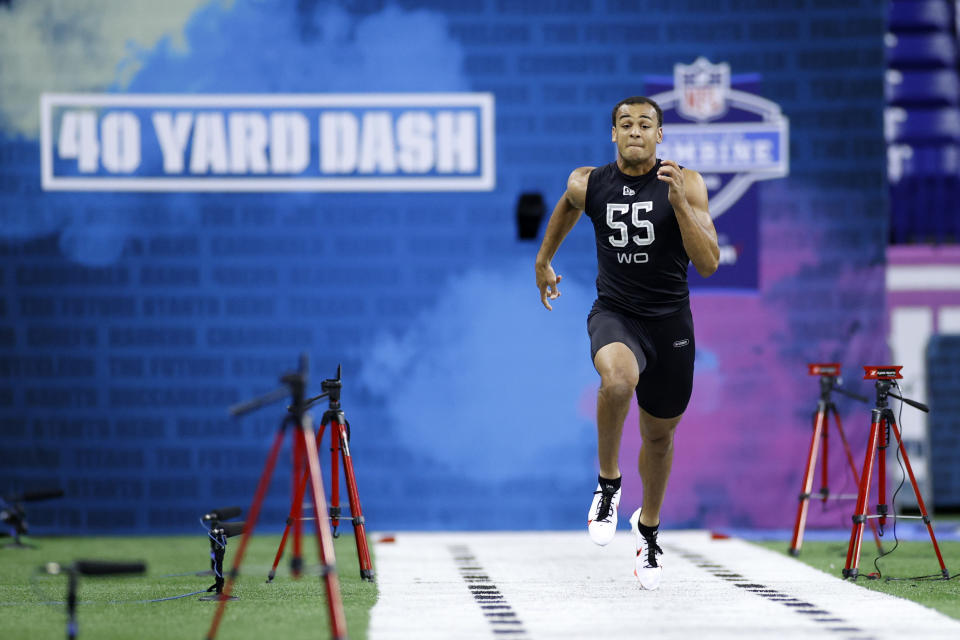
270	142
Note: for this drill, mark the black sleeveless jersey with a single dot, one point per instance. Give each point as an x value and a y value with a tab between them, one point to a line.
642	265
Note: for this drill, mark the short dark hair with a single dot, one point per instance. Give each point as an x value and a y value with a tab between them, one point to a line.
637	100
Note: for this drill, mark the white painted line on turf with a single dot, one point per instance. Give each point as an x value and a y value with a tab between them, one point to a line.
562	586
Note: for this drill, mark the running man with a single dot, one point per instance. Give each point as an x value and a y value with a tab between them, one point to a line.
651	220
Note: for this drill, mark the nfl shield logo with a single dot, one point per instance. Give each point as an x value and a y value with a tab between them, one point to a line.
702	88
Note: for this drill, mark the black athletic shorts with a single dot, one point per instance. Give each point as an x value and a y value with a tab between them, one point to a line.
665	351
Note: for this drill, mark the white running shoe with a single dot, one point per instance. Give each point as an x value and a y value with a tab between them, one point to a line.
646	567
602	517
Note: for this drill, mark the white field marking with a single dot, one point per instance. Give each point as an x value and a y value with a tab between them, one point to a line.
561	585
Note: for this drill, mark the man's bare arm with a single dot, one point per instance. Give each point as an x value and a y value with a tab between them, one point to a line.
562	220
688	195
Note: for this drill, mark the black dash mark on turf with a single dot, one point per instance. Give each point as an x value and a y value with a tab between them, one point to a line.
498	612
825	618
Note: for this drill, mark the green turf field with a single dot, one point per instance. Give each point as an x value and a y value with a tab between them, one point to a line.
286	608
910	559
290	608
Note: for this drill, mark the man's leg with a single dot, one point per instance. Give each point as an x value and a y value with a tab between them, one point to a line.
619	372
666	390
656	459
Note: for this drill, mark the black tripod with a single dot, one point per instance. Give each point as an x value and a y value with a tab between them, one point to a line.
882	421
219	532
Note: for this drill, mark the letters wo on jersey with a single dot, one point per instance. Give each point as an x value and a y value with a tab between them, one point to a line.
269	142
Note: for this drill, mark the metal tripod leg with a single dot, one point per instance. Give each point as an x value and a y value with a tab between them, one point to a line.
860	511
296	508
853	471
819	426
920	503
338	622
294	516
334	470
339	433
340	450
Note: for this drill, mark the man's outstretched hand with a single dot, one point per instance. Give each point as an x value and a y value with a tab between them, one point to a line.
547	282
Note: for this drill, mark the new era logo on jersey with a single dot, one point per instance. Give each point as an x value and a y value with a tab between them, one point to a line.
627	191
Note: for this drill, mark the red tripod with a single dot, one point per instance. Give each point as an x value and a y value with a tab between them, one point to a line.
302	433
339	446
829	374
882	420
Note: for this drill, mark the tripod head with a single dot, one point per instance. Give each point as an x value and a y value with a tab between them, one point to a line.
295	386
830	381
886	377
331	388
296	382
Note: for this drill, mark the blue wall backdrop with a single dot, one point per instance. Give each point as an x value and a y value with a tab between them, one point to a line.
129	321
